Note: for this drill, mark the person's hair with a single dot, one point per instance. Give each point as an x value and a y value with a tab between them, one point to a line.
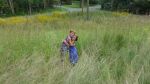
72	31
76	38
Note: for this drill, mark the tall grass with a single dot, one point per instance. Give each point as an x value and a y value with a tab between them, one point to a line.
112	50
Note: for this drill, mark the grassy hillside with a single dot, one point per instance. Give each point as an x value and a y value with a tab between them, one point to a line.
113	49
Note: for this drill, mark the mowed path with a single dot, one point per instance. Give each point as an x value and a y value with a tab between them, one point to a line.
91	8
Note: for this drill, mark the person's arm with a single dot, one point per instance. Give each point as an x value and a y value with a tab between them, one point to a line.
66	43
69	40
71	43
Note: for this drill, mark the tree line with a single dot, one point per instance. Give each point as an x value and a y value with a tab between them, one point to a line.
132	6
13	7
23	6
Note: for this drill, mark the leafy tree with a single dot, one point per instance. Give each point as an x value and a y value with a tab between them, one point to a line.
2	4
135	6
11	5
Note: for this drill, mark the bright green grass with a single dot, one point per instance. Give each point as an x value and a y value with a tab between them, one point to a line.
113	50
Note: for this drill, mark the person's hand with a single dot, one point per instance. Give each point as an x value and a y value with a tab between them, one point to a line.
71	44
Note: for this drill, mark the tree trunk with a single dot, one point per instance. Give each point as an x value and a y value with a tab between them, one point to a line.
11	5
137	11
45	3
87	9
112	4
60	2
30	8
82	5
1	11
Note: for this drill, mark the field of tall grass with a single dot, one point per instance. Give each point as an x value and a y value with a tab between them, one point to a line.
113	49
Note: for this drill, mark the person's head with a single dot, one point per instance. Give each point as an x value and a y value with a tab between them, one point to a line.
75	38
72	33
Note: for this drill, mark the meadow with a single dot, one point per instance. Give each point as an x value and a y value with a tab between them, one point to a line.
113	49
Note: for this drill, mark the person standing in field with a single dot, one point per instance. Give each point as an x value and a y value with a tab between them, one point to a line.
65	45
73	54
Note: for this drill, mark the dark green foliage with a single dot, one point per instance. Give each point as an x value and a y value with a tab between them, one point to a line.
17	7
133	6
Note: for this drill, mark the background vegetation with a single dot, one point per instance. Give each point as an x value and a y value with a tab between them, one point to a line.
113	49
132	6
21	7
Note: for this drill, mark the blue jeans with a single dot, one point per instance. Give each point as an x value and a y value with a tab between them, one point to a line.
63	51
73	54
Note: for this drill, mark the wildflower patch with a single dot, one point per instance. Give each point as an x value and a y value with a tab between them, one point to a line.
42	18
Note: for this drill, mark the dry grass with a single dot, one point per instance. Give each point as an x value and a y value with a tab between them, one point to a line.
112	50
